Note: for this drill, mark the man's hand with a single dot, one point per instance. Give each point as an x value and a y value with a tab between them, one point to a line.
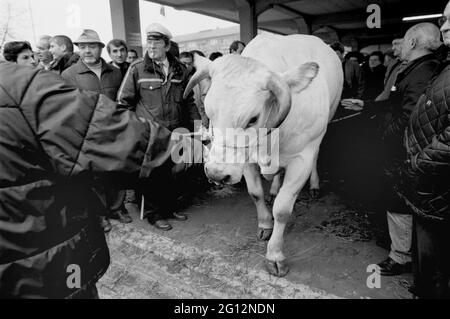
353	104
186	152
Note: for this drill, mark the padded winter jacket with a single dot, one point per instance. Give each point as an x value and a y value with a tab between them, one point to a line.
428	146
147	91
80	76
54	141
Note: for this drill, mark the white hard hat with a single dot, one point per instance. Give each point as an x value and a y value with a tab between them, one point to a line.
157	30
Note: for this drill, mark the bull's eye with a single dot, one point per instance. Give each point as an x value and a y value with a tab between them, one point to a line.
252	121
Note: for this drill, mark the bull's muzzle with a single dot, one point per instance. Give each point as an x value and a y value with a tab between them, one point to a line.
217	174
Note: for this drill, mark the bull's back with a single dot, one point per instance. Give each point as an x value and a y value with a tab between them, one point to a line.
282	53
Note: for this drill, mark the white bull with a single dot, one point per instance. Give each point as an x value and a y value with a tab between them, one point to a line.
293	83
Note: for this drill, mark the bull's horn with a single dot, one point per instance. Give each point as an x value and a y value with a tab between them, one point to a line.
280	89
201	64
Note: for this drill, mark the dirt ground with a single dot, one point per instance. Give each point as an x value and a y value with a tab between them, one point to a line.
215	253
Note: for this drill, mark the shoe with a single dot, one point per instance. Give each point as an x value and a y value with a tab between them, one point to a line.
391	268
178	216
162	224
105	224
122	216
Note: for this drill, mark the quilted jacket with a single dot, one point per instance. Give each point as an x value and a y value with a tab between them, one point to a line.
54	141
428	146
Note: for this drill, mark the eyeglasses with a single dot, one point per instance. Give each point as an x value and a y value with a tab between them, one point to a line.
442	21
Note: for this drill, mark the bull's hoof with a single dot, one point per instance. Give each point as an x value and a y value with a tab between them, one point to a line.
314	193
264	233
277	268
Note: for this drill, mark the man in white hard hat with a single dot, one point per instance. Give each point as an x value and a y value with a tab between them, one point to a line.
153	88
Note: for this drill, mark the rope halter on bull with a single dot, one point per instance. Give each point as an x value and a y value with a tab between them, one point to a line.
275	85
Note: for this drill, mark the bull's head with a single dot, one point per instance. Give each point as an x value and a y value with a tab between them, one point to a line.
245	100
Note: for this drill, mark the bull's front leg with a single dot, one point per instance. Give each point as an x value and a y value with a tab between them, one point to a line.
256	191
297	173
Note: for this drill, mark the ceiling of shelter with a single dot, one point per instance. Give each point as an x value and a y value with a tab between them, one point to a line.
344	19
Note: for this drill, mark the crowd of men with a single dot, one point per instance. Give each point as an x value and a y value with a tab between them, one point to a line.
74	119
402	129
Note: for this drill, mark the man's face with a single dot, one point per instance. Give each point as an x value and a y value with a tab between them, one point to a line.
26	57
157	49
397	47
407	47
354	59
240	49
387	60
187	61
374	61
445	28
131	57
118	54
42	51
57	50
90	52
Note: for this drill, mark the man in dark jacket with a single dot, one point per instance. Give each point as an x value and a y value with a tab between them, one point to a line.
154	87
61	47
392	69
353	76
426	188
54	139
92	73
419	41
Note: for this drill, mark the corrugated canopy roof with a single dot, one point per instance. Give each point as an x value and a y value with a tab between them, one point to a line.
346	18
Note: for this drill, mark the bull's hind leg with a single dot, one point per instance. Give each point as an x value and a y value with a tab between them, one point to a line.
314	189
256	191
297	173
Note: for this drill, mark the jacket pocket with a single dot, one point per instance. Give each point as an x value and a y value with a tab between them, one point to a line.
177	90
151	96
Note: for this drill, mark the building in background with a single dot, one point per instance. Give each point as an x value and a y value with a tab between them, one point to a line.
208	41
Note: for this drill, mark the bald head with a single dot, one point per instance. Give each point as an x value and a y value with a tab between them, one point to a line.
420	39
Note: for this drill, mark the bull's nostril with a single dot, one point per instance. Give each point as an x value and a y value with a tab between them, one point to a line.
226	179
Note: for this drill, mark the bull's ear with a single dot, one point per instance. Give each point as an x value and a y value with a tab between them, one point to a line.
300	77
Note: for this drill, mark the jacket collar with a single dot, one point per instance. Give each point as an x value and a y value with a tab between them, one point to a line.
174	66
124	65
83	68
413	64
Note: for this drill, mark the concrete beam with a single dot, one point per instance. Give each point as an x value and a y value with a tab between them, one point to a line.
126	23
389	15
248	20
263	5
201	5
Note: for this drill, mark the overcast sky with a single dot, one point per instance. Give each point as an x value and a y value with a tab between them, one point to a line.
60	17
